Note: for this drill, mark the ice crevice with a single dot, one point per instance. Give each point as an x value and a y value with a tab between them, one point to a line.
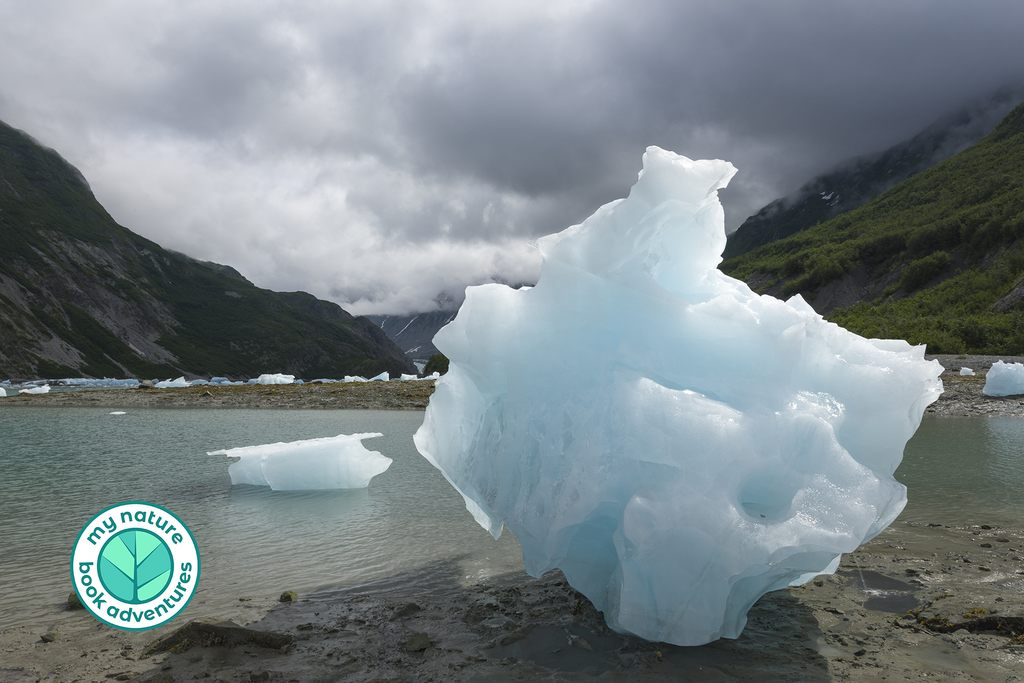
675	443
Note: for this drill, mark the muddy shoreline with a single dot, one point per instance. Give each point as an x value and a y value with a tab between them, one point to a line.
922	601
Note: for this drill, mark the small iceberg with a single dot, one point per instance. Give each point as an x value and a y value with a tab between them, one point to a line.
964	372
45	389
1004	379
169	383
334	462
274	379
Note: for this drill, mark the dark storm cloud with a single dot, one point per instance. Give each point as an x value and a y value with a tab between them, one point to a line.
382	152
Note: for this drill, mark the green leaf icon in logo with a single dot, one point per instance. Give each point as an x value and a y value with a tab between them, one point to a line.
135	566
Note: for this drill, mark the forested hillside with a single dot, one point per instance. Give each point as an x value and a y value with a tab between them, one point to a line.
937	259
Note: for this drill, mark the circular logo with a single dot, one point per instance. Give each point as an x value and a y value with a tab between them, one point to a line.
135	566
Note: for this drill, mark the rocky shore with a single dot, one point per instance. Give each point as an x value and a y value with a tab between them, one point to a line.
962	395
394	395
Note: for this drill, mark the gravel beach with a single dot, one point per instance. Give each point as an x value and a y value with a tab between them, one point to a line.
395	395
921	602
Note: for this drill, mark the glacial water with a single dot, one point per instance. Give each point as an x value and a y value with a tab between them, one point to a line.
63	465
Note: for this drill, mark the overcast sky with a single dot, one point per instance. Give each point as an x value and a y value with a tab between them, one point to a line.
379	153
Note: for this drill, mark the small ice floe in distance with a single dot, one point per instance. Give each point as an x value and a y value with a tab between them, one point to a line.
172	383
1004	379
964	372
274	378
335	462
44	389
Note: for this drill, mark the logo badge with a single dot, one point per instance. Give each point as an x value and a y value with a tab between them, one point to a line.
135	566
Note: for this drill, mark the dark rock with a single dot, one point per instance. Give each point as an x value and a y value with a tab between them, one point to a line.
418	643
289	596
207	632
49	637
406	610
74	602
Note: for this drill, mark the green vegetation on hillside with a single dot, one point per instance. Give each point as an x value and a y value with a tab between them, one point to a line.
437	363
945	242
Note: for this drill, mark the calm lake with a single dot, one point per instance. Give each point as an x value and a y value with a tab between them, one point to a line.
63	465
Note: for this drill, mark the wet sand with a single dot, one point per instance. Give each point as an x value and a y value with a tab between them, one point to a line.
862	624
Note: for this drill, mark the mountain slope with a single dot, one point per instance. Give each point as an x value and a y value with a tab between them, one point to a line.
81	295
857	181
938	259
414	334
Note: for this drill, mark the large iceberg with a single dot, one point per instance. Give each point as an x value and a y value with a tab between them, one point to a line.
1004	379
334	462
673	442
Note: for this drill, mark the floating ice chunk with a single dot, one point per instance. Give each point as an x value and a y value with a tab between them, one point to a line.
118	412
169	383
275	379
1004	379
964	372
675	443
407	378
219	380
44	389
357	378
3	392
382	377
336	462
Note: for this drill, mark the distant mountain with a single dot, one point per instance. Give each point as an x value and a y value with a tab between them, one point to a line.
857	181
82	296
937	259
414	334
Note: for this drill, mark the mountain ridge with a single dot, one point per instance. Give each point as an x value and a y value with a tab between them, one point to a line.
858	180
81	295
937	259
